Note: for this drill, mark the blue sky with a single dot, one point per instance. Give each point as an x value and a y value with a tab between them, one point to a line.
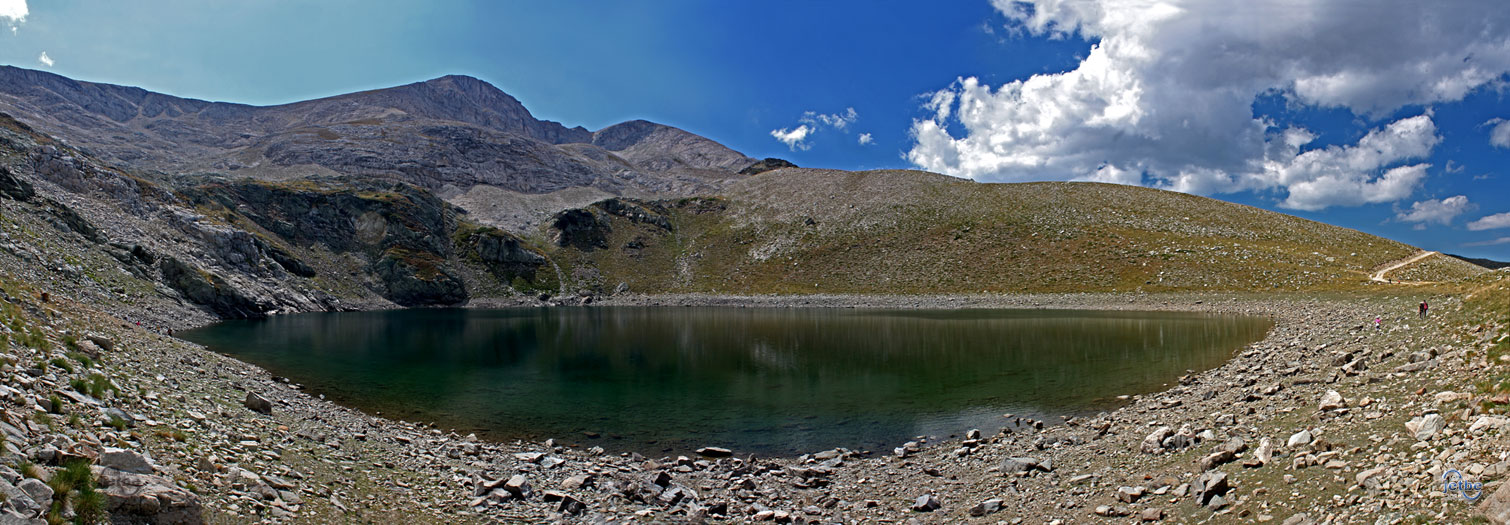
1360	116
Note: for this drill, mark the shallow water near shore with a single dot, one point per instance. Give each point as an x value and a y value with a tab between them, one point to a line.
757	380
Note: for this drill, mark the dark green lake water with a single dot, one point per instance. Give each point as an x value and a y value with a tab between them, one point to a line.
764	380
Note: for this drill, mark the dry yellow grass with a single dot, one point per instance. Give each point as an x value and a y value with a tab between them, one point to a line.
805	231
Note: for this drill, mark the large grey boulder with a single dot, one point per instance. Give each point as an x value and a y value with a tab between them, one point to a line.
132	497
39	491
1497	506
1426	427
125	460
258	404
20	500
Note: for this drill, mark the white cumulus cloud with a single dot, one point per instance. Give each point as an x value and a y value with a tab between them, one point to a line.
13	12
1166	95
44	59
810	123
1499	134
1435	211
1491	222
795	138
1341	175
834	120
866	139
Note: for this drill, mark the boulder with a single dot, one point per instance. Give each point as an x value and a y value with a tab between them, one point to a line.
568	504
135	498
1497	506
1110	511
1488	422
715	452
1299	519
1209	487
926	503
20	499
989	506
125	460
518	486
1024	466
1154	443
35	488
1299	439
1369	478
1426	427
103	342
1332	401
1265	452
576	482
258	404
125	417
1216	459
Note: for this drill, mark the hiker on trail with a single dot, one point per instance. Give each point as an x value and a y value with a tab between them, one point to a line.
1378	322
1423	309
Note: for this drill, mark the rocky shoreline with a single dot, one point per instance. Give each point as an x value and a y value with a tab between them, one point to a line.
1280	446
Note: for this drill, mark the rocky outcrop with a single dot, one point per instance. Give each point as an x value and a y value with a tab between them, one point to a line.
447	135
587	229
583	229
209	290
15	187
132	497
505	255
413	278
764	165
403	231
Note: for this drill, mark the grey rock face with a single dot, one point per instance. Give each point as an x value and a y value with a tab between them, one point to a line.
147	498
1497	506
258	404
1209	488
125	460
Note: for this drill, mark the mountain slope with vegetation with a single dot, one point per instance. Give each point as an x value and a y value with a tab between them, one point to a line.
817	231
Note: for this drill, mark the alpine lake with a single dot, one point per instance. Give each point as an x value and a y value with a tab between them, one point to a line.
772	381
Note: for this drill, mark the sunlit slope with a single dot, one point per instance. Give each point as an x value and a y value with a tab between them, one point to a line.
804	231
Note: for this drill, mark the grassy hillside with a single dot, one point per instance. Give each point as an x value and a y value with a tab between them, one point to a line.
1436	268
808	231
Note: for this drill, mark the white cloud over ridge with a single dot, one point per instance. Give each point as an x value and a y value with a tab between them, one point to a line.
1491	222
44	59
795	138
1165	98
1435	211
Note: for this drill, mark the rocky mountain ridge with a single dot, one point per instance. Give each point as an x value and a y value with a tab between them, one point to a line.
450	135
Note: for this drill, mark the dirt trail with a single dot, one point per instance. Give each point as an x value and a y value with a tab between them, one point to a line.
1379	275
